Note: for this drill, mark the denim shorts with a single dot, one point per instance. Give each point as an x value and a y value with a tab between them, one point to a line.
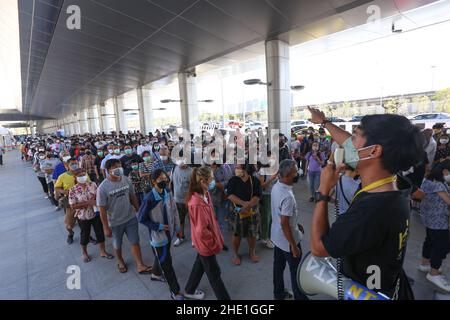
130	228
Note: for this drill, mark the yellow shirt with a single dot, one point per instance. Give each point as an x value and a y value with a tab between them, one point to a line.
66	181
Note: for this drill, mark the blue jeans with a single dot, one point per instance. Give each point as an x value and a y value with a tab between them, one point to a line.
279	263
314	181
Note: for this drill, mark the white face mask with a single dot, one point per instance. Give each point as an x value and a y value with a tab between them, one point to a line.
443	141
164	158
65	159
447	178
82	179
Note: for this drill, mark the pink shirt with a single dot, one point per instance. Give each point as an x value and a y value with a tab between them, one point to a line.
205	231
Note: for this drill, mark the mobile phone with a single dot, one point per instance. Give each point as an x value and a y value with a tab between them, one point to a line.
338	156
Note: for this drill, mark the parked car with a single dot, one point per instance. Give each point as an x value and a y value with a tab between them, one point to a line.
428	120
301	123
336	119
356	119
431	116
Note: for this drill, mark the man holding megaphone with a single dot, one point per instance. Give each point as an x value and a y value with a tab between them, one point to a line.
371	236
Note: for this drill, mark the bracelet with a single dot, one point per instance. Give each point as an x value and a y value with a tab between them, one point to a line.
324	123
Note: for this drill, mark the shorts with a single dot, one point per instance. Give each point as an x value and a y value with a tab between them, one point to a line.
85	227
247	227
130	228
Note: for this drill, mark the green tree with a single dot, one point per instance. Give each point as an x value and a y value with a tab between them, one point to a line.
442	98
421	103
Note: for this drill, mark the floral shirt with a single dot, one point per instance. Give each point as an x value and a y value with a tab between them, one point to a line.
80	193
435	212
140	184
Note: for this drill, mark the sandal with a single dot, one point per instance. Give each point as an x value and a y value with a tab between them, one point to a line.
108	256
236	261
122	269
254	258
86	259
148	270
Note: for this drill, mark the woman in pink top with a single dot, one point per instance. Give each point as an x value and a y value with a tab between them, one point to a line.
205	233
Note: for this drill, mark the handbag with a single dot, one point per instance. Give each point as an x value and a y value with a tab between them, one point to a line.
251	212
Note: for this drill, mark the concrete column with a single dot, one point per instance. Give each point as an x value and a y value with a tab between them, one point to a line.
145	110
71	127
101	119
75	124
93	120
189	107
121	124
32	128
65	126
279	90
83	122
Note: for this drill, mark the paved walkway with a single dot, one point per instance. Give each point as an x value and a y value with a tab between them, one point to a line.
35	256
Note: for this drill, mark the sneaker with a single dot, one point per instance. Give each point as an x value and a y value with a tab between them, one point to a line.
269	244
225	248
288	296
178	241
426	268
70	239
177	297
439	281
154	277
198	295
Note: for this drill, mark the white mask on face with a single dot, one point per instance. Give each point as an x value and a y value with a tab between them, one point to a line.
443	141
164	158
447	178
82	179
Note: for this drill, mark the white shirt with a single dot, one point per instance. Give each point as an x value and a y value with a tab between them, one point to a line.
283	204
142	148
107	157
431	150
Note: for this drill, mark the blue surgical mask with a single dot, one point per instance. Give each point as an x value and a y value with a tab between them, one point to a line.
351	154
212	185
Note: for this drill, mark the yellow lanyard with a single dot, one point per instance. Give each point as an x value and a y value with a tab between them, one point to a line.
375	185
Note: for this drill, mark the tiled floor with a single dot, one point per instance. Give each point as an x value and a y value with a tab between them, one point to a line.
35	256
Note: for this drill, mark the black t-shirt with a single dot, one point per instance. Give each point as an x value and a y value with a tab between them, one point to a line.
127	161
373	231
442	154
242	189
97	163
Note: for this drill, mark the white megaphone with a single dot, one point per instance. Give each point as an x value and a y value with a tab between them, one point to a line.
319	276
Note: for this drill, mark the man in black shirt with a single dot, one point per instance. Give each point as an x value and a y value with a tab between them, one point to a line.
372	234
128	159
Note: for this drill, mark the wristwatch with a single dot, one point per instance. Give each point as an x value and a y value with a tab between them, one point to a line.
321	197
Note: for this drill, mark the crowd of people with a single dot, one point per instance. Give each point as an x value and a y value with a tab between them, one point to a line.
112	182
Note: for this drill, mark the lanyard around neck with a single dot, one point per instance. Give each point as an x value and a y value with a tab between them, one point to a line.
375	185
